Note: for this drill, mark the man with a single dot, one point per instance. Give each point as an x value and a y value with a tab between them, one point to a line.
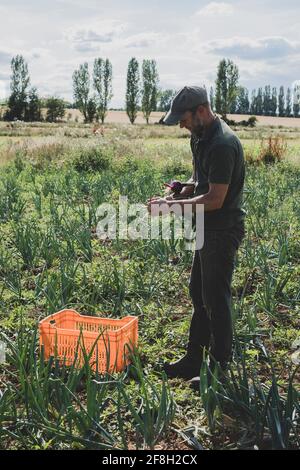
218	177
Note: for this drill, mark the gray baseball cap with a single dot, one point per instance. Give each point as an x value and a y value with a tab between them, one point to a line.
187	98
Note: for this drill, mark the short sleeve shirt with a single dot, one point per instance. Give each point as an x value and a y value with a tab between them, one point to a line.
218	157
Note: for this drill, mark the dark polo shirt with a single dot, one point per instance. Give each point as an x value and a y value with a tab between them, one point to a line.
218	157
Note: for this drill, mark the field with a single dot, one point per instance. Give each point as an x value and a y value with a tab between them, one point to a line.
52	179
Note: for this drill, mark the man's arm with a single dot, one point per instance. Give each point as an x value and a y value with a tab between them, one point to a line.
212	200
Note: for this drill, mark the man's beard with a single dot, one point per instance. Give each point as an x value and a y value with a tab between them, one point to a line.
197	127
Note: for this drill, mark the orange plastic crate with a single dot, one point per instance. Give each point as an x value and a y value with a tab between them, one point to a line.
66	333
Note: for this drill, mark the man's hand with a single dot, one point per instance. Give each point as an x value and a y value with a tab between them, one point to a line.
187	191
154	204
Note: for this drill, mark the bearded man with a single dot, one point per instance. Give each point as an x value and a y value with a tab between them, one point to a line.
218	177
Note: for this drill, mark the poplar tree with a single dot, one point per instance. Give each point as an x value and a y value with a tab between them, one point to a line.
103	85
274	102
266	106
226	86
281	104
132	89
296	100
259	102
20	80
81	89
150	87
242	101
288	105
165	99
253	109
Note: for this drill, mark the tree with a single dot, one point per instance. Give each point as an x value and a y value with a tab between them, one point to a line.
103	85
81	89
132	89
226	86
259	102
34	108
274	102
296	109
242	106
267	102
150	87
212	98
296	100
253	102
233	106
56	109
91	109
281	104
288	105
165	99
19	84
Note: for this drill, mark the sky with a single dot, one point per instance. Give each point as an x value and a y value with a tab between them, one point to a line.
187	39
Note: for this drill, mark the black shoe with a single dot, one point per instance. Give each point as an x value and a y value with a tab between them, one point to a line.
184	368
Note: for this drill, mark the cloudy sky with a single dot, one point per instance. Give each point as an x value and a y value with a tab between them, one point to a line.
187	38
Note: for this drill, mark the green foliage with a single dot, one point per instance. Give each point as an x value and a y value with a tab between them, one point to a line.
132	89
288	106
91	109
296	110
257	106
81	89
226	86
251	122
157	406
47	409
91	159
149	88
165	99
267	101
281	102
50	257
272	418
55	109
20	80
102	79
242	105
273	105
33	111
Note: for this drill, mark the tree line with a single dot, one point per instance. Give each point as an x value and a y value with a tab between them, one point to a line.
24	103
228	97
92	93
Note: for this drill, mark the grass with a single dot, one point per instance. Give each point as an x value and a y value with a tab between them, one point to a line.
50	258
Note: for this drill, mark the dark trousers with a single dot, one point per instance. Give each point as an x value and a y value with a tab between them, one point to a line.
210	290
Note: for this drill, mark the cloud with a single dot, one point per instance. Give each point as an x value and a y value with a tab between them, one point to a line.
144	40
216	9
89	37
38	53
274	47
5	57
4	76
